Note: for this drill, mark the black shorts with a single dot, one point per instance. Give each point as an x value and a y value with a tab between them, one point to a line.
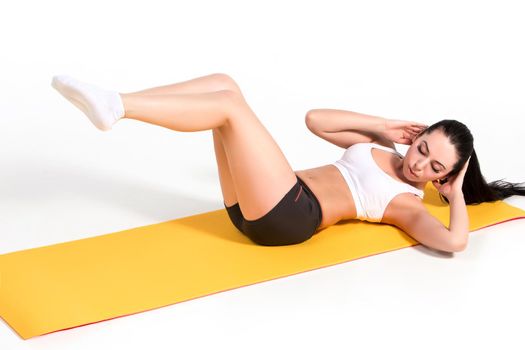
293	220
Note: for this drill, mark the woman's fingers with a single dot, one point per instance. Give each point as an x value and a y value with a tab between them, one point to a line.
407	124
465	166
414	131
417	124
417	128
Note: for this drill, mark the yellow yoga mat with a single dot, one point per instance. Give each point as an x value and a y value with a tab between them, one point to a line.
65	285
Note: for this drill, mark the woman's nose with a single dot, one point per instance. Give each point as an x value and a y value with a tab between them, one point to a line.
418	168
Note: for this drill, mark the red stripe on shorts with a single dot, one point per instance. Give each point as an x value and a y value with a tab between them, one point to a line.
298	194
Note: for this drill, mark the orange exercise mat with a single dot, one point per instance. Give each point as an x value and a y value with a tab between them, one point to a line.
65	285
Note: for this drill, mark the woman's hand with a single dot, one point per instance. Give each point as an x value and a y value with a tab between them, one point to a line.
402	131
453	186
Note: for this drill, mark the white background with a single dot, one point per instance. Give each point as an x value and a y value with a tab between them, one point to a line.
62	179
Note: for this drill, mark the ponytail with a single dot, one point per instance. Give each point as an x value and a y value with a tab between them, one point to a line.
475	188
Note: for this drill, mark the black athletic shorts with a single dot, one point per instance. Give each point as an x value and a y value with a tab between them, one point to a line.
293	220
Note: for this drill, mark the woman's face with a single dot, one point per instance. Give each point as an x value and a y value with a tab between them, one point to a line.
430	157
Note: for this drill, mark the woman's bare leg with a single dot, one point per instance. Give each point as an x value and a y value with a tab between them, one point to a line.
260	171
180	112
229	193
207	83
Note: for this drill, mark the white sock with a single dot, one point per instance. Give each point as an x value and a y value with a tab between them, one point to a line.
103	107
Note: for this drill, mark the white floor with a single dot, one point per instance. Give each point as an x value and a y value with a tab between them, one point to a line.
61	179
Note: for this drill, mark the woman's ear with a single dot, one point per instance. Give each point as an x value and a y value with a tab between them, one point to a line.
442	181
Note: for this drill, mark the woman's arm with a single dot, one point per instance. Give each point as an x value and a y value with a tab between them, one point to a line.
344	128
459	221
414	219
334	120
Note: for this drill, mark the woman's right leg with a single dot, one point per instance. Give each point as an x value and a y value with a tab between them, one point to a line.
207	83
259	169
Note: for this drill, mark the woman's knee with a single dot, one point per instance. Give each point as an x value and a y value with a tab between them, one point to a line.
233	102
226	82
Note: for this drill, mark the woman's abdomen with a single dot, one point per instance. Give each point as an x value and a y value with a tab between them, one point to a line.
332	192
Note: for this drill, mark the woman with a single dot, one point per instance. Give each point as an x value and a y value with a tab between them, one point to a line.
275	205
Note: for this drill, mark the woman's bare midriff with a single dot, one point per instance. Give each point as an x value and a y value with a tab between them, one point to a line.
332	192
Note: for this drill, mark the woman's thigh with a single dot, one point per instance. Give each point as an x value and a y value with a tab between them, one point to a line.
261	173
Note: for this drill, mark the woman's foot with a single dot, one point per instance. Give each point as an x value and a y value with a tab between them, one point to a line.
103	107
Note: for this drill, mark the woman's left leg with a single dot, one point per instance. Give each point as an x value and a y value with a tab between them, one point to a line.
260	172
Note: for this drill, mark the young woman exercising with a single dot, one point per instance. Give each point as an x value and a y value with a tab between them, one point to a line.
274	205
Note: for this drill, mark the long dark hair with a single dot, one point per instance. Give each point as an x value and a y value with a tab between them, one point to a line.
475	189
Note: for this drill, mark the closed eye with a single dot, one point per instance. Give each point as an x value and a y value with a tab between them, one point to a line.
420	151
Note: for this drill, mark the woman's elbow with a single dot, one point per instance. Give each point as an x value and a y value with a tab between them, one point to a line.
459	245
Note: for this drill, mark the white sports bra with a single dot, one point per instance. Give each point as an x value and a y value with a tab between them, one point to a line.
371	187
